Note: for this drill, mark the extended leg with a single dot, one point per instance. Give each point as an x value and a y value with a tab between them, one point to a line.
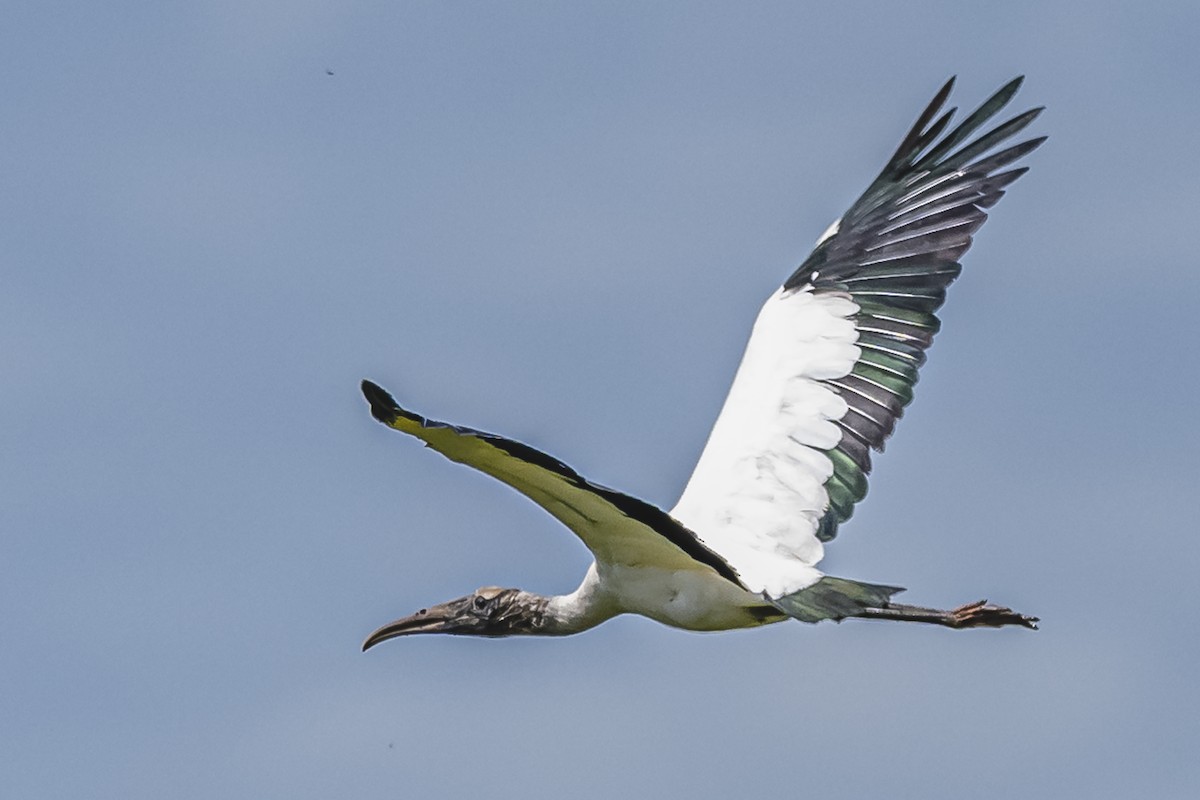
972	615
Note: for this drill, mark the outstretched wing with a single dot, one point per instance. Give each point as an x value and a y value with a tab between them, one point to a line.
834	353
617	528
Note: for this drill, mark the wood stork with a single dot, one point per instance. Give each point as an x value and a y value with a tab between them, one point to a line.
828	370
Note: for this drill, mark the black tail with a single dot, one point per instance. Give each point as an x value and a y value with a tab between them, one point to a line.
834	598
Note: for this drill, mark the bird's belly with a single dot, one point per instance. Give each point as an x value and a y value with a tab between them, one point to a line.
692	599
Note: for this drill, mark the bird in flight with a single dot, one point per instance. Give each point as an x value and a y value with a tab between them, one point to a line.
828	370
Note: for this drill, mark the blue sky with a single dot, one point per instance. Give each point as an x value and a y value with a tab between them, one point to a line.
557	222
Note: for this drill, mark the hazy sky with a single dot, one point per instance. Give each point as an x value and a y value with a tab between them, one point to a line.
557	222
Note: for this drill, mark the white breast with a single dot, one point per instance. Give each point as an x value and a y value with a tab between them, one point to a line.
697	600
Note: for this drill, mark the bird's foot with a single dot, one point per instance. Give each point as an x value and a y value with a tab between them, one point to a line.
982	614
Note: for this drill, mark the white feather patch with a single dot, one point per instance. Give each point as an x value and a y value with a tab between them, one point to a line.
758	491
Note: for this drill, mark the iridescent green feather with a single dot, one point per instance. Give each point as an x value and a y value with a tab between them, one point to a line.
894	253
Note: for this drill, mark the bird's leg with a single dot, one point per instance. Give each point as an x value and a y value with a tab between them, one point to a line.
973	615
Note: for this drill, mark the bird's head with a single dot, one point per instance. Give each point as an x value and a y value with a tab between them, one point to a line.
490	611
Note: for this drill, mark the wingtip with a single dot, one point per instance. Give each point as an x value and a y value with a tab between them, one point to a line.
940	98
383	405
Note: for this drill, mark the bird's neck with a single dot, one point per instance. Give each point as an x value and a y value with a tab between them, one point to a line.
584	608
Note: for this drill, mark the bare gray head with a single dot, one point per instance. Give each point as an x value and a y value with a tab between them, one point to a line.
490	611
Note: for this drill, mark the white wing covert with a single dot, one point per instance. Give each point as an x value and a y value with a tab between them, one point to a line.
835	351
